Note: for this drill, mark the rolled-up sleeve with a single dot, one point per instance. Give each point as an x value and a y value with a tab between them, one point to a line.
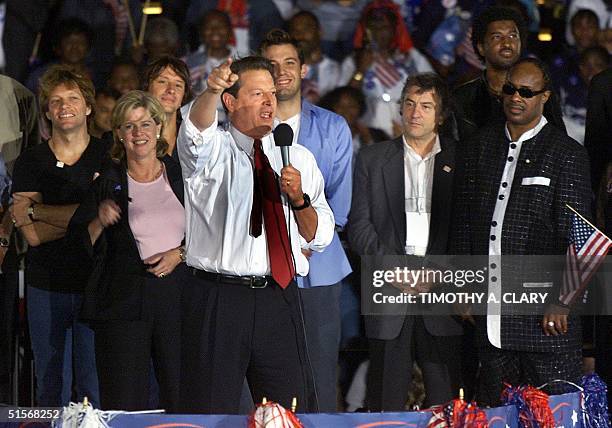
194	146
325	217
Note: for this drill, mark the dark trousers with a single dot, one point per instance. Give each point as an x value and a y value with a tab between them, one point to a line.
522	368
9	285
322	319
391	361
124	349
231	331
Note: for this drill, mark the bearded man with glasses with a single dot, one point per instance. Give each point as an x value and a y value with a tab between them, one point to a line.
519	178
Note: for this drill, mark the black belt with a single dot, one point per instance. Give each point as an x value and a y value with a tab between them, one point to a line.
249	281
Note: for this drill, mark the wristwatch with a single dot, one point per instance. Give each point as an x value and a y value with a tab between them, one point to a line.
31	212
4	242
182	254
305	205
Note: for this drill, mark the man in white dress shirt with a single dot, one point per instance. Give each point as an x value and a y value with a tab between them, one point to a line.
240	316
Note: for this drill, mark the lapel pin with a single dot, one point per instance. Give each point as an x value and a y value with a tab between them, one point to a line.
527	161
447	168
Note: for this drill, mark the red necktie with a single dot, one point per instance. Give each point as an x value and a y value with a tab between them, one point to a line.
267	201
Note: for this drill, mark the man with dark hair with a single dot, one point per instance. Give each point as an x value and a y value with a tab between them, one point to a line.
167	79
400	206
499	35
328	137
512	201
322	73
241	311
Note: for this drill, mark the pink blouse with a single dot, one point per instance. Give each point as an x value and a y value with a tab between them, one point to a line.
156	216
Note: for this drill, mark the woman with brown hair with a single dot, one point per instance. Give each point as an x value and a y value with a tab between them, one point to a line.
133	225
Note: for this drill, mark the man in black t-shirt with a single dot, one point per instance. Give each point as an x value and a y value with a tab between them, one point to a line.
49	182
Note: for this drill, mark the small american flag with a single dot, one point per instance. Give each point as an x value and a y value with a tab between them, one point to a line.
587	250
466	50
386	73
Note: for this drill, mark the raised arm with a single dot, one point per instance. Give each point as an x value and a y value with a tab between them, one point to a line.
205	106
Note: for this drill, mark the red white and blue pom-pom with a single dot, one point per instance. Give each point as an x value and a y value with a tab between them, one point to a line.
594	402
532	404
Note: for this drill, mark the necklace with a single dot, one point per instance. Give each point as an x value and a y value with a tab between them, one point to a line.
144	178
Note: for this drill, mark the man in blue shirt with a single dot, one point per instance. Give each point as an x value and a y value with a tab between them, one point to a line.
328	137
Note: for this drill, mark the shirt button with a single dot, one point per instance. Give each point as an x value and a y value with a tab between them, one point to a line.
493	265
510	158
513	146
493	279
504	184
494	223
501	197
492	237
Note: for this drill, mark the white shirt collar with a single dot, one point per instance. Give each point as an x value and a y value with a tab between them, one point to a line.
293	122
528	134
244	141
408	150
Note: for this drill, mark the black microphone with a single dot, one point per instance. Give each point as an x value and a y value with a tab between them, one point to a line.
283	138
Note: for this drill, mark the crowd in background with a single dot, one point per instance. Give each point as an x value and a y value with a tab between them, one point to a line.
358	54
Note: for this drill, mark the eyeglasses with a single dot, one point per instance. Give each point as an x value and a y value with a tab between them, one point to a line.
509	89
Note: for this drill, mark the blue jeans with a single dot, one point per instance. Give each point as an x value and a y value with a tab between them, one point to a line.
62	346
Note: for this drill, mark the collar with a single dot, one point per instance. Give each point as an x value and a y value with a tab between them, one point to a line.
487	87
527	134
290	121
244	142
409	151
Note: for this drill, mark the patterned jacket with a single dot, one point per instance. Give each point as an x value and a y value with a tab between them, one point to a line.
536	220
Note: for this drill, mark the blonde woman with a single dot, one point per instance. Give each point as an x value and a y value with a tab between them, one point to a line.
133	226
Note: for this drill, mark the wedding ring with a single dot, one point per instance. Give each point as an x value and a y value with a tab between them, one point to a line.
551	323
161	275
14	221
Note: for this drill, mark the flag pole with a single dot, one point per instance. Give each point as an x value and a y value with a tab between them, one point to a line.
143	23
126	4
586	221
